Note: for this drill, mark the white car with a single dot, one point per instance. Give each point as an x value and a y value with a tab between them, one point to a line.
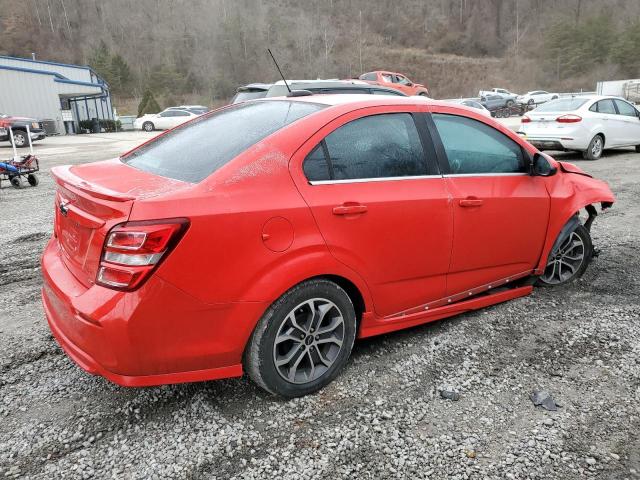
589	124
164	120
536	97
469	102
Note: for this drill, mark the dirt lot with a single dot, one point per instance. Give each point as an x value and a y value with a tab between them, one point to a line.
383	417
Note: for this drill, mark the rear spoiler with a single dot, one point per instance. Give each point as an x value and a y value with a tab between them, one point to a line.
65	178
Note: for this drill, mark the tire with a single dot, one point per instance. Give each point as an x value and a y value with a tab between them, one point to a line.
16	182
287	333
570	261
555	97
595	148
637	148
510	103
33	180
531	102
148	127
20	139
422	94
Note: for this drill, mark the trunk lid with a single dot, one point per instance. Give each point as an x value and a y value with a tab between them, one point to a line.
90	200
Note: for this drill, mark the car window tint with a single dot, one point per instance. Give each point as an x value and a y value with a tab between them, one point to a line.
377	146
606	106
196	149
315	166
474	147
369	76
626	109
386	78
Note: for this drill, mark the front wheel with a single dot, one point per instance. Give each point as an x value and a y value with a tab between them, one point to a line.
510	103
570	259
422	94
20	139
303	340
148	126
595	148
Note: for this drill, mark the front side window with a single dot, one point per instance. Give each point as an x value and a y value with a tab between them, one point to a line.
626	109
196	149
473	147
378	146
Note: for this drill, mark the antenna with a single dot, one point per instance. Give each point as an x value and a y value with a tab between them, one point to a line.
280	71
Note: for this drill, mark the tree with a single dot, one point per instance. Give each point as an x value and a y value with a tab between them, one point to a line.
148	104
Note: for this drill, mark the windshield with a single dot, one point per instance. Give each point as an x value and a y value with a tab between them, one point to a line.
562	105
196	149
249	95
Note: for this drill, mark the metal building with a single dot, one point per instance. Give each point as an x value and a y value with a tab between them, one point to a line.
59	94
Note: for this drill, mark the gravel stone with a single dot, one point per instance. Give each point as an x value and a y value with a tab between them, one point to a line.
383	417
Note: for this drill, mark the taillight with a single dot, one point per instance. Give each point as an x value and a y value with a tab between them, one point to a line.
133	250
569	119
526	119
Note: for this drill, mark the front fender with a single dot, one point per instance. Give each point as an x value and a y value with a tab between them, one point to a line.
570	192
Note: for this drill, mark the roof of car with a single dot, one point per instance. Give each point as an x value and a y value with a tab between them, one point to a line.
359	98
325	82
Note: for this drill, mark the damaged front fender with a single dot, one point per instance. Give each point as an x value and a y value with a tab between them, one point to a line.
570	192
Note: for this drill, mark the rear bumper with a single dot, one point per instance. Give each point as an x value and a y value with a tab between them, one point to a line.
153	336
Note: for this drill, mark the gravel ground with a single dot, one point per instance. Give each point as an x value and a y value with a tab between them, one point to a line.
384	417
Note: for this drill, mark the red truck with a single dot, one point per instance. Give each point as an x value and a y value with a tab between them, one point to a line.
19	127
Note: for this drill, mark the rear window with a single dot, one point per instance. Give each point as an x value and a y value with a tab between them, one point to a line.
245	95
562	105
194	151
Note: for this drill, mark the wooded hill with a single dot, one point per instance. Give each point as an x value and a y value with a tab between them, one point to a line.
201	50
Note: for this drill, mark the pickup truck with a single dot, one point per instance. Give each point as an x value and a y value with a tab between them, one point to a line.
19	127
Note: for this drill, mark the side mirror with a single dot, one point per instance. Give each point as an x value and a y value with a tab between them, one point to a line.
541	167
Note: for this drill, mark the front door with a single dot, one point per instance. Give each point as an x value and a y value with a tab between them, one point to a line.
370	179
629	122
500	213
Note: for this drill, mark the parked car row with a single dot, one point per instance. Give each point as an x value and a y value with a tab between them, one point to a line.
588	124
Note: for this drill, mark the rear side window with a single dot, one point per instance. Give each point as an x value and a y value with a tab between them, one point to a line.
378	146
369	76
474	147
195	150
604	106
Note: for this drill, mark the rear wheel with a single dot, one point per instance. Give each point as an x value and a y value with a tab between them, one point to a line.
510	103
570	259
303	340
595	148
33	180
148	126
422	94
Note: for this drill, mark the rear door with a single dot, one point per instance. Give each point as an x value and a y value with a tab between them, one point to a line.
611	127
371	180
500	213
629	122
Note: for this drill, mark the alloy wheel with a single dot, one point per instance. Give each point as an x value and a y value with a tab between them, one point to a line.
309	341
596	147
566	262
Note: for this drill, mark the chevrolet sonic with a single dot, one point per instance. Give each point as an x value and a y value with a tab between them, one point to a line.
266	237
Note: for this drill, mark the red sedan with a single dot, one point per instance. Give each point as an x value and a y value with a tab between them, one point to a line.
397	81
267	236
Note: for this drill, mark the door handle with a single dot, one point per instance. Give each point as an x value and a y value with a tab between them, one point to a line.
471	202
347	209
